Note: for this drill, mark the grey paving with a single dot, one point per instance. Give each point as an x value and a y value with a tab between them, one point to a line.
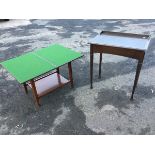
104	110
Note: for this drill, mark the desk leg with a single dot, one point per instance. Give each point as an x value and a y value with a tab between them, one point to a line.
100	64
139	66
34	90
70	74
91	66
25	87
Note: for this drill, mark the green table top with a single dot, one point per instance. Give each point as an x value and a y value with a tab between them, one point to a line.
34	64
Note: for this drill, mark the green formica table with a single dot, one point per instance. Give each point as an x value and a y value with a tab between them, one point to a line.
40	69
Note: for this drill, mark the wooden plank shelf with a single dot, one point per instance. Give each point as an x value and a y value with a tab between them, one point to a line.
49	83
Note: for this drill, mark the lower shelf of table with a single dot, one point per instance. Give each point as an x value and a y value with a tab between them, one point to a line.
49	84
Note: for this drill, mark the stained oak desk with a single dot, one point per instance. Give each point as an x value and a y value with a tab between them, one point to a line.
40	69
122	44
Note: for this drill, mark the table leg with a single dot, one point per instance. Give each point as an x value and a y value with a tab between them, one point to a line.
58	70
91	66
139	66
100	63
70	74
34	90
25	87
58	76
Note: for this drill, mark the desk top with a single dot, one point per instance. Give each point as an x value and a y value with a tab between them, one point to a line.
33	64
122	40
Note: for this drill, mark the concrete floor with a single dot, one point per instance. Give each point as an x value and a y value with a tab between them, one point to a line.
104	110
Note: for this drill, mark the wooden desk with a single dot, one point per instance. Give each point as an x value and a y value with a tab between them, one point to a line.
122	44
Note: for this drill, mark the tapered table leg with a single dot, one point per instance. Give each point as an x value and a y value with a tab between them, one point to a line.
34	90
100	64
139	66
25	87
70	74
91	66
